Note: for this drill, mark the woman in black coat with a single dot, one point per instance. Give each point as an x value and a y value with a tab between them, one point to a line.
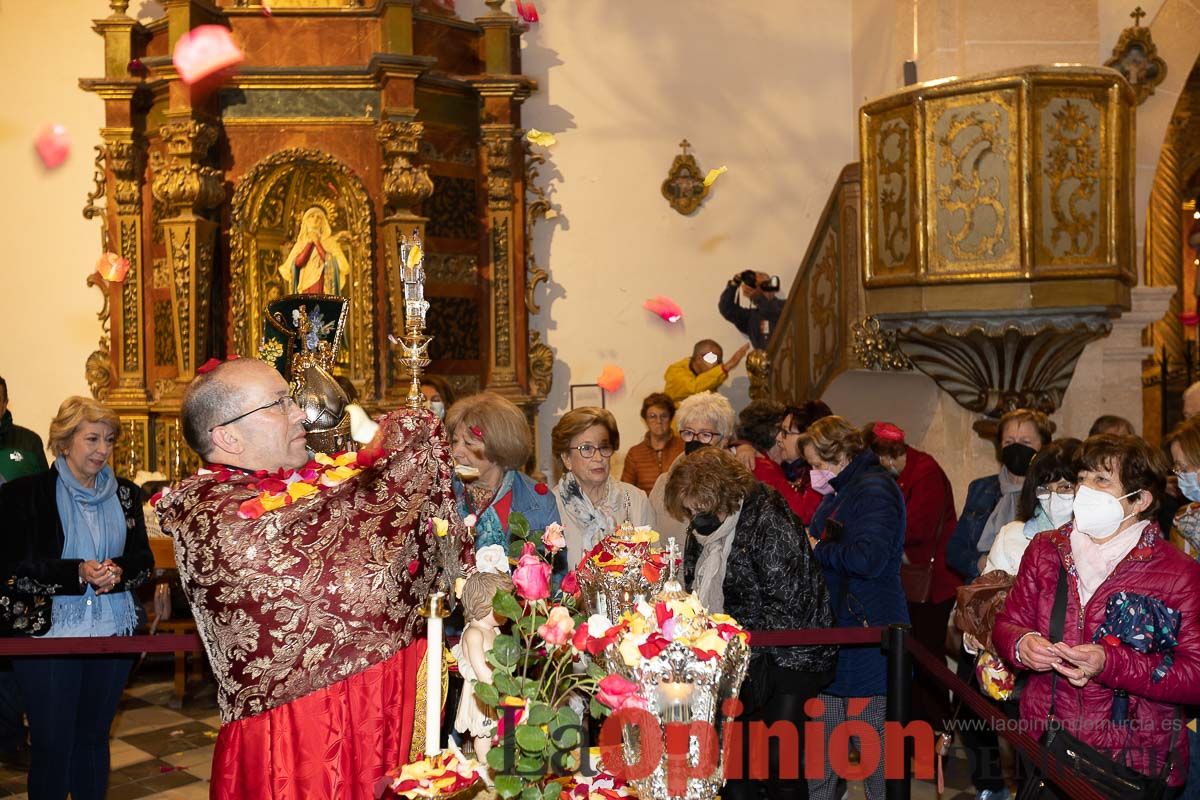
74	547
748	556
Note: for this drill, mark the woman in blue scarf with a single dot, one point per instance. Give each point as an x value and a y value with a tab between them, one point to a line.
75	547
490	441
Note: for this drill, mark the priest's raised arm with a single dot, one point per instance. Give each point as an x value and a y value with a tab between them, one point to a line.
305	578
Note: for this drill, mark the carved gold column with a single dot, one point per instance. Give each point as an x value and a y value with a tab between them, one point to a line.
502	93
505	289
405	186
1164	234
187	189
126	158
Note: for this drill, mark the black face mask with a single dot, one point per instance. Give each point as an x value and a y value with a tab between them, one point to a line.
793	470
692	446
705	523
1016	458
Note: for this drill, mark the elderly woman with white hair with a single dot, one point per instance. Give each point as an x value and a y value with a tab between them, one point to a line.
704	419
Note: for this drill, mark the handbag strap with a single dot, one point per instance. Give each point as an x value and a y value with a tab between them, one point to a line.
1058	620
937	538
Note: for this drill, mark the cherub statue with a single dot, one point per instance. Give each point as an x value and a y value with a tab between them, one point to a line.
471	653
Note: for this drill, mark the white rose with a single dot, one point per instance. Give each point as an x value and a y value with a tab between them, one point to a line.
492	559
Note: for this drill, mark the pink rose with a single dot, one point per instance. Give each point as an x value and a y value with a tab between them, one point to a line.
532	576
553	537
559	626
617	693
570	584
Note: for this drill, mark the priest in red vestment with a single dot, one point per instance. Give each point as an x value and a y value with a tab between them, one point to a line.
308	610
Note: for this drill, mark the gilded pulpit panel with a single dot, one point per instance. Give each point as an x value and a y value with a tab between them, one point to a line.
891	137
1071	189
973	184
302	224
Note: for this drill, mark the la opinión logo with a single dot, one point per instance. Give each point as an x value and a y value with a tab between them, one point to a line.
693	749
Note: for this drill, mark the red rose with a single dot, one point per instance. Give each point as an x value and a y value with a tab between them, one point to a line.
541	488
617	693
570	584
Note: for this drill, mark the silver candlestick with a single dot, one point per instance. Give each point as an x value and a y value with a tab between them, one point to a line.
414	342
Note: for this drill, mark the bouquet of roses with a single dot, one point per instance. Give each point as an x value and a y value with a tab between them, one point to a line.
537	671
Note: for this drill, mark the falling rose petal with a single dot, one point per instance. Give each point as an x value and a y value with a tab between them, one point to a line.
112	267
53	145
527	11
534	136
611	378
266	9
204	51
665	307
713	174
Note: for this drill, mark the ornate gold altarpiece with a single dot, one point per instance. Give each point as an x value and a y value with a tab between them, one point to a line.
387	115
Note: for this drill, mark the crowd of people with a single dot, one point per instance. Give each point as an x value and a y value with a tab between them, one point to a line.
791	517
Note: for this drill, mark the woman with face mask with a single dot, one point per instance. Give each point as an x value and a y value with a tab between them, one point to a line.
1113	547
704	420
1046	502
992	500
437	394
747	556
1184	446
857	536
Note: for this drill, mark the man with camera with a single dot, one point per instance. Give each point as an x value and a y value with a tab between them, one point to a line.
758	321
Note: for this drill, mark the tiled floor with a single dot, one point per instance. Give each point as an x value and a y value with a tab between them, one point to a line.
156	752
163	754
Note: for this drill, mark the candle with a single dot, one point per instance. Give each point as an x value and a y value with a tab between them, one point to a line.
674	700
433	614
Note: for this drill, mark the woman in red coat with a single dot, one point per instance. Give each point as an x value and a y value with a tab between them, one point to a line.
1113	546
929	524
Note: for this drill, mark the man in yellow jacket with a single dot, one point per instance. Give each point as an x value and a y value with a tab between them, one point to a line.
703	372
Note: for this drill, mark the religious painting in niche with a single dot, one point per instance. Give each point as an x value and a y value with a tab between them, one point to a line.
316	264
302	224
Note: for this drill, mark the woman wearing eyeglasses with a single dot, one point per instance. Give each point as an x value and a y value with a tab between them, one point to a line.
591	502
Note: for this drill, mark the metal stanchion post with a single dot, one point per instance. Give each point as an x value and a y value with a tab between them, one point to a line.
899	703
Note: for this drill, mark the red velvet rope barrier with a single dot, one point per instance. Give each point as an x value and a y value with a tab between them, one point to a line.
1075	786
983	708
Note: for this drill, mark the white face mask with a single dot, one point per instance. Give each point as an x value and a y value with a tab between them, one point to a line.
1098	514
1058	507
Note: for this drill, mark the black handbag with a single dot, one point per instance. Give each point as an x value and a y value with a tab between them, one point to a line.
1108	777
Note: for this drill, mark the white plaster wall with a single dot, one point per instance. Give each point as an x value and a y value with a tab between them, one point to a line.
763	88
47	313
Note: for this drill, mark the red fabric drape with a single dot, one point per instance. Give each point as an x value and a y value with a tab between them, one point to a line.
336	742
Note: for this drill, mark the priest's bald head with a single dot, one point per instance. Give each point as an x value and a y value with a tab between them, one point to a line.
241	414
